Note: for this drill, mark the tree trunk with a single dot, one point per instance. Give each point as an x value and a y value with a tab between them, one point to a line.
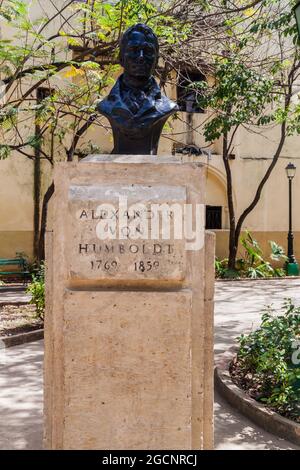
263	181
50	190
36	198
232	239
46	199
233	246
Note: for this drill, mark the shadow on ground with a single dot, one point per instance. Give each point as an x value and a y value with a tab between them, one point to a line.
235	432
21	396
237	310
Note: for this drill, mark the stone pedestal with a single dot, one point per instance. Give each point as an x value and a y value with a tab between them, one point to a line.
129	318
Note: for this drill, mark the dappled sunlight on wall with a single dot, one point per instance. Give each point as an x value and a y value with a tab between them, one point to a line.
216	194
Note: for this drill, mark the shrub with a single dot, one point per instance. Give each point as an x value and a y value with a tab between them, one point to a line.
220	267
252	264
268	361
37	290
222	271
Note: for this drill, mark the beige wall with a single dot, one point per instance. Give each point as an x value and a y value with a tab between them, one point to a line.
16	206
16	173
270	215
253	155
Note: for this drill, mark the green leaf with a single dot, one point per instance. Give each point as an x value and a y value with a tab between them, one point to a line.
4	151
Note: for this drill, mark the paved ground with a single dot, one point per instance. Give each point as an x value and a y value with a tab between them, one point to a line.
21	396
13	296
237	310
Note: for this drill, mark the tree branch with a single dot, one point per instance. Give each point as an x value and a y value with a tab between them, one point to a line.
78	135
274	160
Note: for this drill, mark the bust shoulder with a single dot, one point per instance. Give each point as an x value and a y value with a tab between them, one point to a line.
106	106
165	105
155	103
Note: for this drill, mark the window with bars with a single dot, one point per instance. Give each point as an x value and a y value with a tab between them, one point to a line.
213	217
186	96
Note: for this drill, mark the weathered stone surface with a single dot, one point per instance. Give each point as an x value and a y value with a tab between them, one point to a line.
112	397
124	251
208	425
132	159
126	352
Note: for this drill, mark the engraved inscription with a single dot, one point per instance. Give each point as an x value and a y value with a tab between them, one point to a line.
113	242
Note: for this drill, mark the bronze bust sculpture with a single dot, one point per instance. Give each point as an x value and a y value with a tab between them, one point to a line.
135	107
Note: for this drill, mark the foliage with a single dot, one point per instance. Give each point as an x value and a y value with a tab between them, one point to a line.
250	83
56	61
246	48
268	360
32	267
71	53
220	267
37	290
252	264
223	272
240	94
256	70
109	19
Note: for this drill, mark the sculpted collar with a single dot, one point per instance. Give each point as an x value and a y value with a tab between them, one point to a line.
131	109
151	87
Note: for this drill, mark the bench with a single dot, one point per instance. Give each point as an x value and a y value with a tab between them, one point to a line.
17	262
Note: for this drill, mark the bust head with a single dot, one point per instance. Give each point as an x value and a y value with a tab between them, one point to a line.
135	107
139	52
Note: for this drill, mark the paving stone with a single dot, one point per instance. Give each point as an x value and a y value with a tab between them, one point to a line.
237	310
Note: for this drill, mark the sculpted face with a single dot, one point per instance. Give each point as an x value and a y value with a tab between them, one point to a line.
139	56
135	107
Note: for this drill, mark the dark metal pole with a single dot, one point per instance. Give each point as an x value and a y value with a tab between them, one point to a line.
290	234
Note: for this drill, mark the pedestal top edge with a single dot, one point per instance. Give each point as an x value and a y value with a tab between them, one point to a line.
153	159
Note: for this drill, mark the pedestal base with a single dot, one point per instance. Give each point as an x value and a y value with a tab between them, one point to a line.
129	323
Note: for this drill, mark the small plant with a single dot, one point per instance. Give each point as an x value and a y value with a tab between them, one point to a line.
37	290
252	264
220	267
222	271
268	361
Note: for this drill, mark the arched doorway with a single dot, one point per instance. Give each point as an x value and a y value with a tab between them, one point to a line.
216	200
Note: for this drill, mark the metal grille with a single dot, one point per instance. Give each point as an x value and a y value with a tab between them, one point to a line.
213	217
186	96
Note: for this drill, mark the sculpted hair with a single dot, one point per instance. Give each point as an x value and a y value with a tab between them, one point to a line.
141	28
